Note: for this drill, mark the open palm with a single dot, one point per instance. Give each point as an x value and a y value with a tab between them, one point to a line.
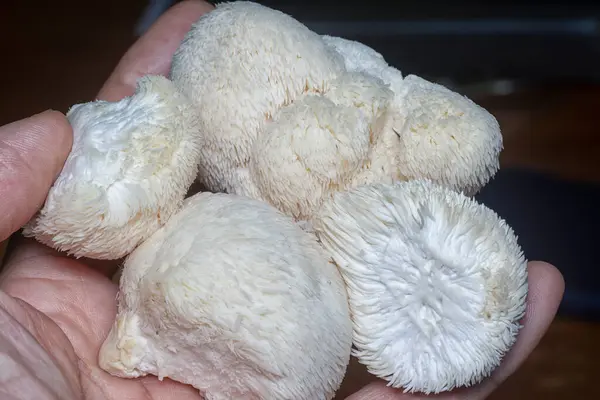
56	311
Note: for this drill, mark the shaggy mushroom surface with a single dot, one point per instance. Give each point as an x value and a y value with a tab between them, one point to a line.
234	298
437	282
130	166
346	218
291	116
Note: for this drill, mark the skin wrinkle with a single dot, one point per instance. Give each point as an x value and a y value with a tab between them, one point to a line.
48	344
34	383
27	249
68	313
29	347
86	391
90	383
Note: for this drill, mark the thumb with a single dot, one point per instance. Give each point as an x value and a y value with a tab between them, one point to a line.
32	153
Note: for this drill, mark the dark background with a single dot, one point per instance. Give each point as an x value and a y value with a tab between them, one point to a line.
534	65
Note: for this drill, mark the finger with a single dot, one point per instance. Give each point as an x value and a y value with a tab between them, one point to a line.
546	287
152	53
32	153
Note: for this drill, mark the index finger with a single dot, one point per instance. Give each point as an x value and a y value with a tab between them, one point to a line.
152	53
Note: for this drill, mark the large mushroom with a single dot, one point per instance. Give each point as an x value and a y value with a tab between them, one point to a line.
235	299
437	283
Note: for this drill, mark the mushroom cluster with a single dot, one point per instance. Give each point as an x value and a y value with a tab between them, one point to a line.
336	218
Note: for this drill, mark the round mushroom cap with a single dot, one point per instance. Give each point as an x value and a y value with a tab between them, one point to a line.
130	166
240	63
437	283
235	299
363	91
311	148
445	137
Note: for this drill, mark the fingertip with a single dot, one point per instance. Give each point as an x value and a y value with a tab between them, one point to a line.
32	153
152	53
546	287
551	276
57	124
545	293
45	138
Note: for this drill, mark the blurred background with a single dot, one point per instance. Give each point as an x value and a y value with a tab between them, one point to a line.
534	65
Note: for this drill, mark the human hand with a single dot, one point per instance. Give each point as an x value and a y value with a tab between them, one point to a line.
55	311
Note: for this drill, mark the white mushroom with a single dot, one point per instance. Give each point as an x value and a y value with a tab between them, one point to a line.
128	171
311	148
434	133
233	298
359	57
228	294
240	63
372	97
243	64
445	137
437	283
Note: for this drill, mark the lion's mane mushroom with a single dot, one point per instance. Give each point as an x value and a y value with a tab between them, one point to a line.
240	64
436	282
294	138
234	298
129	169
291	116
226	293
436	134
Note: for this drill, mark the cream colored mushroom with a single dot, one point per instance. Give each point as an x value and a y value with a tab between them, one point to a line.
128	171
311	148
359	57
437	283
227	293
445	137
240	64
233	298
243	64
434	133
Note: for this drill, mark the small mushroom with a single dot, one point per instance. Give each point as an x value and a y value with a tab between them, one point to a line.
129	169
445	137
311	148
437	283
232	297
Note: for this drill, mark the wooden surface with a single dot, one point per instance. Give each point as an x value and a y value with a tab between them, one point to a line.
57	55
